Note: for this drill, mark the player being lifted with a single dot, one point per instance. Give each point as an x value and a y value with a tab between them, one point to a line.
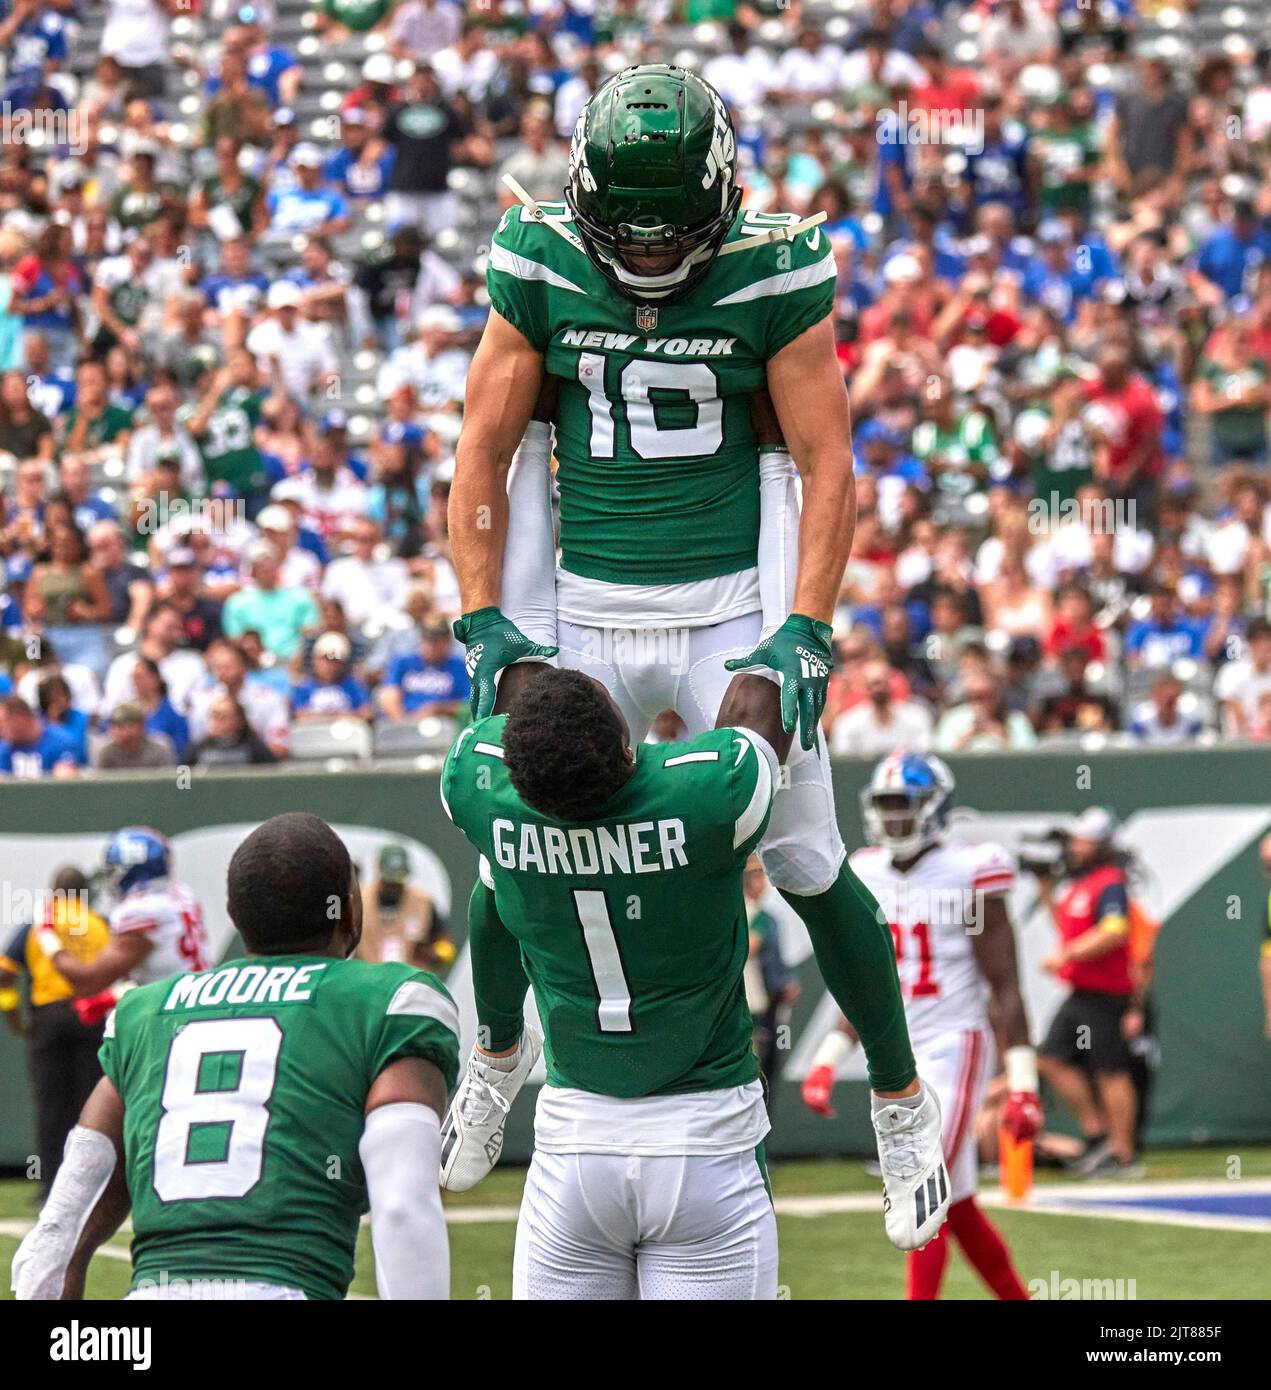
156	925
656	307
956	951
254	1111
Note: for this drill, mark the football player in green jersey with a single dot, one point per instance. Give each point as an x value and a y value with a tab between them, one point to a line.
618	872
657	306
249	1114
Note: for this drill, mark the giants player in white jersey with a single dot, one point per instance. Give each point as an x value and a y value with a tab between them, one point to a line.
955	951
156	926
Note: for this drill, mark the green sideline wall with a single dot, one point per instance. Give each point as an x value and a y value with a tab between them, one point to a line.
1206	809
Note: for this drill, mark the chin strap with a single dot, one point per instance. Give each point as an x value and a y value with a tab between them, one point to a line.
745	243
555	223
751	239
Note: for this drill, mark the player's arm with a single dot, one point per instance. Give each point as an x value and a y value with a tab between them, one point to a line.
810	402
400	1151
86	1205
994	947
754	702
808	394
504	383
117	960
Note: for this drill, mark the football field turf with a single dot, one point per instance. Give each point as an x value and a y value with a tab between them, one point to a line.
831	1250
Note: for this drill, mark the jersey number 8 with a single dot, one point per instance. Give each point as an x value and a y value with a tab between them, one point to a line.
191	1111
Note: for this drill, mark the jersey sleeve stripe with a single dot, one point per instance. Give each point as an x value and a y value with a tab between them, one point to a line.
127	924
492	748
422	1001
760	799
485	873
522	268
815	274
702	756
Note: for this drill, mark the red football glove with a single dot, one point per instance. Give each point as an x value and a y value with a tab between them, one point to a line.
817	1086
1022	1115
92	1008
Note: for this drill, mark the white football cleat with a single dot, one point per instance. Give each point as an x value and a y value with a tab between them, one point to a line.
915	1180
472	1135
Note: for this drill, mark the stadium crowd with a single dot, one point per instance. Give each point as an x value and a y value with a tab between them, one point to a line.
241	283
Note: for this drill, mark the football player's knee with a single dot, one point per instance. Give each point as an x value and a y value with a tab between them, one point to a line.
803	867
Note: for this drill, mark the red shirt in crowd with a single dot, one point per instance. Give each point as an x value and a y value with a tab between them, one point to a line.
1132	414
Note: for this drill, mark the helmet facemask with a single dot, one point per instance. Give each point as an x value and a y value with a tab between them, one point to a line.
901	822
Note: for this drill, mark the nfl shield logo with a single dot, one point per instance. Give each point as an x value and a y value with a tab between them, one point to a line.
646	318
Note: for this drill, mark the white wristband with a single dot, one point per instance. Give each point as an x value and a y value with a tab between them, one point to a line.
1021	1069
834	1047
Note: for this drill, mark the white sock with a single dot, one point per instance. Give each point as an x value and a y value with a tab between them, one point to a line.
877	1103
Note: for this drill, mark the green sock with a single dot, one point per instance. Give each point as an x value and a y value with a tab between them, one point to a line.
498	977
857	959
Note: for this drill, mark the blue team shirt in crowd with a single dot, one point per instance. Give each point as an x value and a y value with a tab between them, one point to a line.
304	210
1160	644
313	697
52	747
422	684
1227	261
360	180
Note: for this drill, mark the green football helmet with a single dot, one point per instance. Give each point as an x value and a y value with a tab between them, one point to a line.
653	180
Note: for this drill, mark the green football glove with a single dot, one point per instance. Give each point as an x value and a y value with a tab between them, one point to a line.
799	651
492	642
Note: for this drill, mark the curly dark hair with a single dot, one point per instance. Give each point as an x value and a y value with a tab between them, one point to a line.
564	746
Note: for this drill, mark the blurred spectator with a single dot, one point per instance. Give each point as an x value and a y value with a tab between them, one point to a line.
880	723
540	165
1077	705
1160	721
400	922
421	28
161	642
229	673
230	741
279	613
31	748
982	722
431	681
1242	684
430	137
1231	389
332	692
130	746
1166	635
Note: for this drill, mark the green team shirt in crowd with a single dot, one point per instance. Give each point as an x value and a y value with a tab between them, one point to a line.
105	429
967	446
1060	153
1239	428
358	15
632	925
244	1091
658	463
228	445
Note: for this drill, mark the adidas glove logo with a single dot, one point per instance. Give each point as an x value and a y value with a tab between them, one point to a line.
812	667
471	657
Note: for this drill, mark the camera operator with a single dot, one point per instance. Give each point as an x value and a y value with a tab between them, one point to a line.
1085	1056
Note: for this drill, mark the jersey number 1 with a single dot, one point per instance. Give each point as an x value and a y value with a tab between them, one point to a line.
614	1010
